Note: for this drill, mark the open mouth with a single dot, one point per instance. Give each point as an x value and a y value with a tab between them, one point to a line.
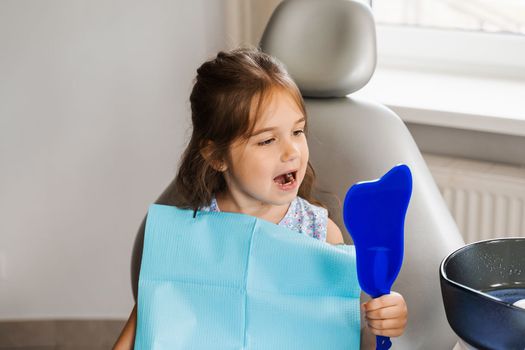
286	179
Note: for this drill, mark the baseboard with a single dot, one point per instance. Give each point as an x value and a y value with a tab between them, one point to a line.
59	334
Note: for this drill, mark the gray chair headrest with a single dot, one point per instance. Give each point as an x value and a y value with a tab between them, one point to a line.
327	46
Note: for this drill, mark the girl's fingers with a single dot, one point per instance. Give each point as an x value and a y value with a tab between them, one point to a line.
388	324
383	301
386	315
387	312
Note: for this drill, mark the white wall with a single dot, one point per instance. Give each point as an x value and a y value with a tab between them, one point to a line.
94	114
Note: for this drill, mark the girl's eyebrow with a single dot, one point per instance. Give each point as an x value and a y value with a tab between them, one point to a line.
273	128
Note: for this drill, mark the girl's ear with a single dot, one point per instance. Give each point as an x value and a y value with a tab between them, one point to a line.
207	153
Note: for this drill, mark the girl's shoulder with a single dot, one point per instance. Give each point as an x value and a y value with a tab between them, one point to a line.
306	218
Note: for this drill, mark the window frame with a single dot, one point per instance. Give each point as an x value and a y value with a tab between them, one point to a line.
499	55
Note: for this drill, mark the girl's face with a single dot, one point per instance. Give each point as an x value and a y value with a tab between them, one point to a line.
270	166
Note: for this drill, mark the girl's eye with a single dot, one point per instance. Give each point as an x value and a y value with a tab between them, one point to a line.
298	132
266	142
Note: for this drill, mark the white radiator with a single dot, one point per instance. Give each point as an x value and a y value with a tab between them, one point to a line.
487	200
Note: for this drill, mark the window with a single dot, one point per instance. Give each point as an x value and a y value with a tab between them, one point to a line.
502	16
472	36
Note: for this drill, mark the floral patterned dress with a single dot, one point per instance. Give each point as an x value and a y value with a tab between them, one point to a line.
302	216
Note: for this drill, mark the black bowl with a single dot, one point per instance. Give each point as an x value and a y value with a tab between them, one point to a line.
479	284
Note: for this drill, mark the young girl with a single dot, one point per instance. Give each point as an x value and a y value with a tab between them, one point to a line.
248	154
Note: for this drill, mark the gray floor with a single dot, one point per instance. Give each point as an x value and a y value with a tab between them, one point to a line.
59	335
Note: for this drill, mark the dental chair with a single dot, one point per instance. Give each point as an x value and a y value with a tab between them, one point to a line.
329	48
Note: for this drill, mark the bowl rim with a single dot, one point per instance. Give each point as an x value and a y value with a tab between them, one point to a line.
476	292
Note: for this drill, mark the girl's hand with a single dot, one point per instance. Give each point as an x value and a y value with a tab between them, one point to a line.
386	315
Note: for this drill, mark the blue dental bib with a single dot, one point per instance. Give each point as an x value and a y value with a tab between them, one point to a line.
232	281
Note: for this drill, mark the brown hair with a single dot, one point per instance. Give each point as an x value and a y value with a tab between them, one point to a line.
226	88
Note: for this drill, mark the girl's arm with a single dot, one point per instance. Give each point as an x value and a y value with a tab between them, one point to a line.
127	337
333	233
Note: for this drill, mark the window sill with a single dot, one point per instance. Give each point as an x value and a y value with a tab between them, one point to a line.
447	100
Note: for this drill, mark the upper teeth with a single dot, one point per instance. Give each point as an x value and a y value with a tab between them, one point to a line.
289	177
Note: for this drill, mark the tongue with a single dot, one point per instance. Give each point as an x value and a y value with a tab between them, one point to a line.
281	179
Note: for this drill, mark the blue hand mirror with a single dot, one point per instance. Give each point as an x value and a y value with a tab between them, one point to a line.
374	215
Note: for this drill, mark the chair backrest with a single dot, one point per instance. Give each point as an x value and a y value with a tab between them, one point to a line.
329	48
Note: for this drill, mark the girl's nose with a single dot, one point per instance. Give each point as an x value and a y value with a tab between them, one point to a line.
290	151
